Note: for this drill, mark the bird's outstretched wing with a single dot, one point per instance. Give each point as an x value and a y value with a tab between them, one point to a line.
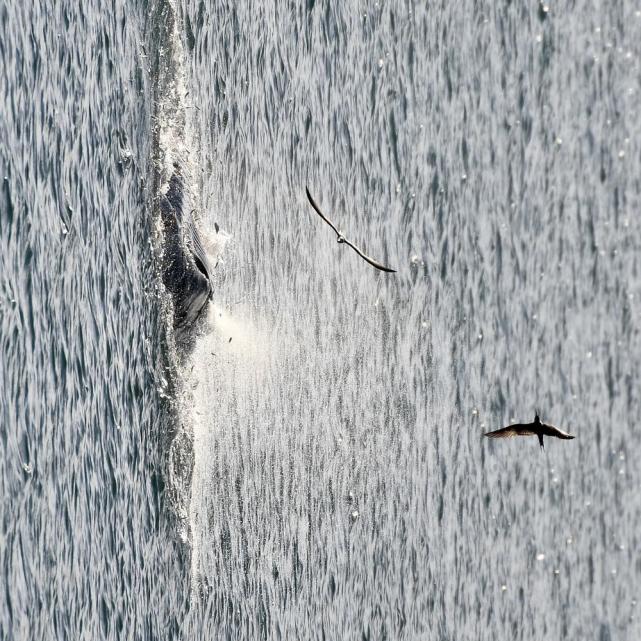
511	430
312	202
551	430
365	257
371	261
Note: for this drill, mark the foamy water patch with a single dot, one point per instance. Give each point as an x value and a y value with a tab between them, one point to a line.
231	362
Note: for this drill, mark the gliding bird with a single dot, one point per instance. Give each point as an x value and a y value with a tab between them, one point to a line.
342	239
536	428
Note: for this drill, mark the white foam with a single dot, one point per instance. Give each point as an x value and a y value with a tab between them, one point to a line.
228	360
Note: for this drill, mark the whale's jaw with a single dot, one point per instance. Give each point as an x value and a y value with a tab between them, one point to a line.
185	269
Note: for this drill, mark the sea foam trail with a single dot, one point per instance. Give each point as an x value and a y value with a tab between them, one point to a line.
228	367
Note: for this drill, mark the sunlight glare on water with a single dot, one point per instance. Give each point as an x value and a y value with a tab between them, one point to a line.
315	466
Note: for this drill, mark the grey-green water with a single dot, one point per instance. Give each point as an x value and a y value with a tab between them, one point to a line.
340	484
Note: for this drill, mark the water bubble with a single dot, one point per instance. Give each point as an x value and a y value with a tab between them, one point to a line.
503	588
540	557
380	63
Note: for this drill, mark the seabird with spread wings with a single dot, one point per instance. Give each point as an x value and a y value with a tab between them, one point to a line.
342	239
536	428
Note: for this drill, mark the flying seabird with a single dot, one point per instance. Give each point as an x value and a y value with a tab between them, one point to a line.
342	239
536	428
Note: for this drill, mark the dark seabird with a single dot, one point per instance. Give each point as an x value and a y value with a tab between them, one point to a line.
536	428
342	239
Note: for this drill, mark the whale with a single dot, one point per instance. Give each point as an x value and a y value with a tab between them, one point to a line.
186	270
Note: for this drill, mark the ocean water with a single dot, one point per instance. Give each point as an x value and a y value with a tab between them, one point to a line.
315	468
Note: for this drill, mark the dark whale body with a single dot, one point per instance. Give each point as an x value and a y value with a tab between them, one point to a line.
185	269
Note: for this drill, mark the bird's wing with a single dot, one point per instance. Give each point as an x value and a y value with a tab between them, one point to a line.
511	430
312	202
371	261
551	430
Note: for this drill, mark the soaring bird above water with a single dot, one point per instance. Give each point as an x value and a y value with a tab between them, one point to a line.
536	428
342	239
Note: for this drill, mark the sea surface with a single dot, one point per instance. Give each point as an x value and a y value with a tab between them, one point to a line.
314	467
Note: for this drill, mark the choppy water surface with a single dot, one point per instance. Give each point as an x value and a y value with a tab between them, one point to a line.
338	485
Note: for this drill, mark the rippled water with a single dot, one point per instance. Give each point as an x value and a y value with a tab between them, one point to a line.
328	473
